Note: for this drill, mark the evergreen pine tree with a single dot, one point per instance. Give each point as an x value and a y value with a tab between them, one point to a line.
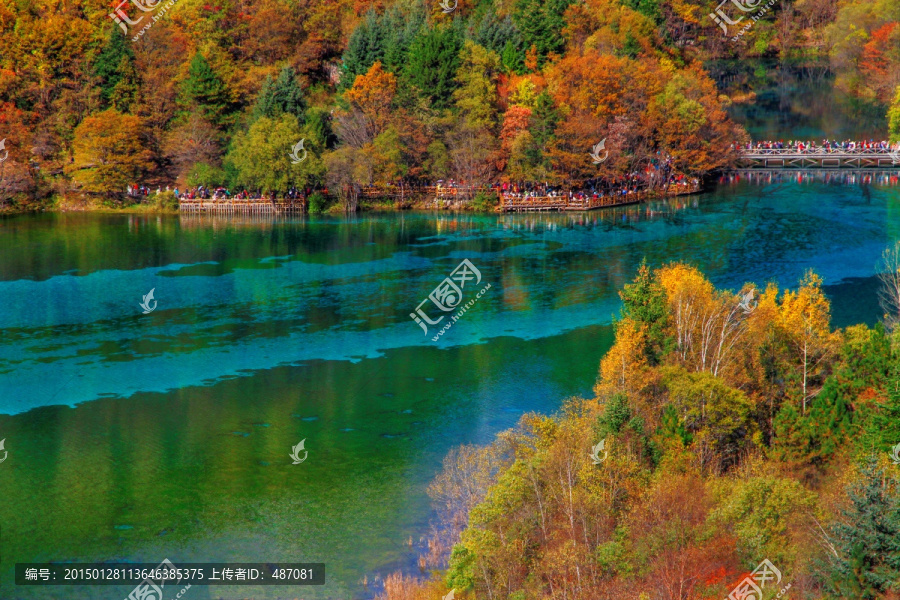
501	36
649	8
319	125
365	47
645	302
790	438
283	95
203	91
127	90
866	559
615	415
816	436
400	29
513	56
541	23
544	120
880	420
671	426
632	47
867	359
117	56
432	65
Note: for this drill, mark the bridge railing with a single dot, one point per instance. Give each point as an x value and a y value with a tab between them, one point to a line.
513	202
817	151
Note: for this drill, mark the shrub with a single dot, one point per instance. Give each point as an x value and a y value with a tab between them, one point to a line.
206	175
485	201
318	203
165	200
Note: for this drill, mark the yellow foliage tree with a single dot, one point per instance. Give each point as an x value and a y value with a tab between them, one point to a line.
110	152
373	94
707	323
622	369
804	319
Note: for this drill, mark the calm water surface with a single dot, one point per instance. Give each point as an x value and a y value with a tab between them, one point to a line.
138	437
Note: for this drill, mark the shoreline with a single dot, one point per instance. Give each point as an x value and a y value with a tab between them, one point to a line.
425	205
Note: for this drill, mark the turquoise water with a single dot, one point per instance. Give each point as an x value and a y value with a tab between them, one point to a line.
166	435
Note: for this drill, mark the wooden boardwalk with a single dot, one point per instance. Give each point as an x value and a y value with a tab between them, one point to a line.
509	203
254	206
821	159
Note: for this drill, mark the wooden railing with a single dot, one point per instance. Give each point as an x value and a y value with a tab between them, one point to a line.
249	205
515	203
818	150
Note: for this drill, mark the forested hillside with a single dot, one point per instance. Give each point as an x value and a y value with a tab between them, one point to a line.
218	93
725	430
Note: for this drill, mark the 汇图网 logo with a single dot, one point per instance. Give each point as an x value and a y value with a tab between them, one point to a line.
751	588
119	16
724	18
5	453
152	587
595	152
596	450
447	297
147	6
295	158
895	156
145	304
295	452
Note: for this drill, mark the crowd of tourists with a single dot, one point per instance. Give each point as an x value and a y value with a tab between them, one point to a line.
203	192
620	186
138	190
823	147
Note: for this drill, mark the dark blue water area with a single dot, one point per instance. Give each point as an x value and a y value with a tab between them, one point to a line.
777	100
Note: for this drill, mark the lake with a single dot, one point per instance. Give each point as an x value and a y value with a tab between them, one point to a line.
138	437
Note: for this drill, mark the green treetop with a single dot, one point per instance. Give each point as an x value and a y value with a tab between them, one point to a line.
114	62
203	91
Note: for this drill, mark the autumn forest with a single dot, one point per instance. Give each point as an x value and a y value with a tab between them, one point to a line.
381	93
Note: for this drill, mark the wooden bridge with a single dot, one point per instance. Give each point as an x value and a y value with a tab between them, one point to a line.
820	158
